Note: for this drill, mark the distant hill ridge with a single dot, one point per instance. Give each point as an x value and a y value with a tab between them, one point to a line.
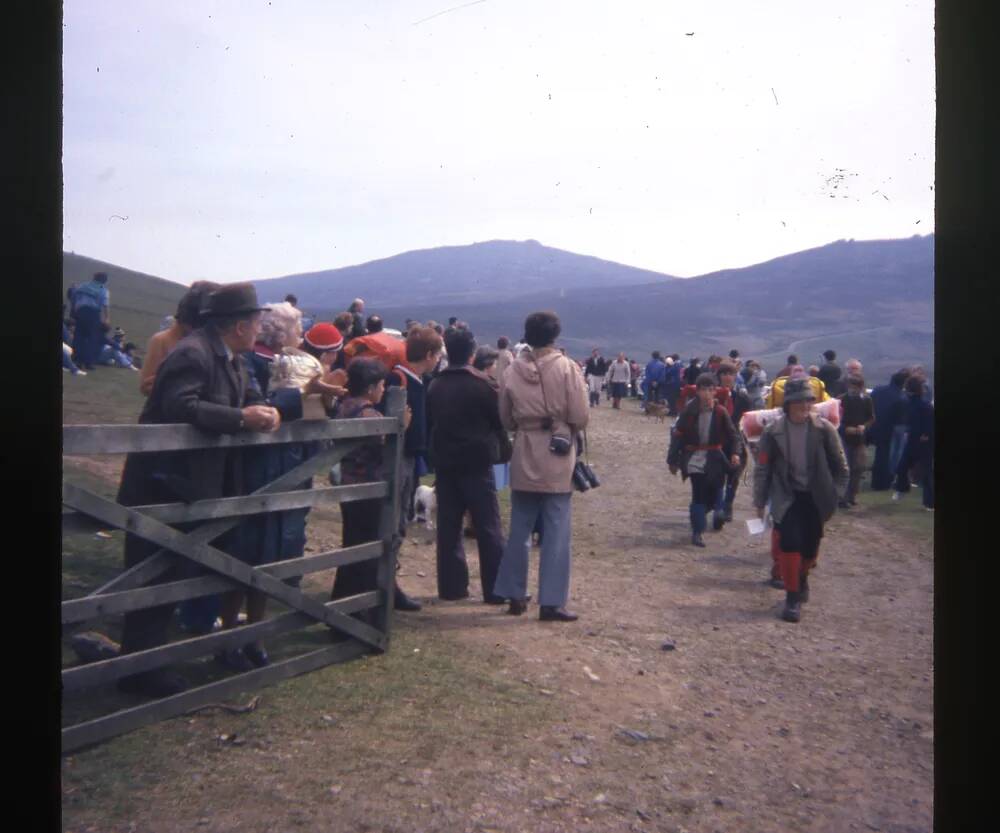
489	271
873	299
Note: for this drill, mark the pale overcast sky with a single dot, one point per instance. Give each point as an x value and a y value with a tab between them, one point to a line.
250	139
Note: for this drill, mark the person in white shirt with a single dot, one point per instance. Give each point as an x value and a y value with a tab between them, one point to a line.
618	377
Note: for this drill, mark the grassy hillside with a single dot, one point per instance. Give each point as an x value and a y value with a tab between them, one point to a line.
138	301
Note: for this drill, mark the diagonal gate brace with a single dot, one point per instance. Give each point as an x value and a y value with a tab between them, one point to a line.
202	553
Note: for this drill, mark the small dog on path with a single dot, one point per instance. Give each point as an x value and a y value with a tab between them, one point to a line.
425	505
657	409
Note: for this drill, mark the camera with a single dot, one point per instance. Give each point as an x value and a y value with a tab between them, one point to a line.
560	444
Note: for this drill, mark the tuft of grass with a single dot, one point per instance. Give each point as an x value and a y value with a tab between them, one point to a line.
104	395
907	515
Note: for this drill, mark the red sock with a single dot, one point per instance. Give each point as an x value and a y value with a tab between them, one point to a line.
791	568
775	554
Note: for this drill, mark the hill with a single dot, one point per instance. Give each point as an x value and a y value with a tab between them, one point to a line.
480	273
869	299
138	301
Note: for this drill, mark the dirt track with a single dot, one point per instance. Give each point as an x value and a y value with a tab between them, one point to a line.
753	723
750	724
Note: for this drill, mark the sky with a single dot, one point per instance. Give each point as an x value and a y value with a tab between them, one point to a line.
251	139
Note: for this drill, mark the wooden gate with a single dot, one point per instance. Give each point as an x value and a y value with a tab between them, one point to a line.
211	518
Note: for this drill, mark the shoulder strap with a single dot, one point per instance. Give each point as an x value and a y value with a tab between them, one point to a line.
541	383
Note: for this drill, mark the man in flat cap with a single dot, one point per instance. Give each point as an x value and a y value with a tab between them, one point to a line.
202	382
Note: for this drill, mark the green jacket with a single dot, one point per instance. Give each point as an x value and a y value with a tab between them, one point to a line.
827	467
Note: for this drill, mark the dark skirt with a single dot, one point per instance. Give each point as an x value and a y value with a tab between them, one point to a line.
274	536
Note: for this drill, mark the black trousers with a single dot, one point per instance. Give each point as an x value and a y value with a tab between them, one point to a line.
881	475
476	493
87	336
360	519
705	491
801	529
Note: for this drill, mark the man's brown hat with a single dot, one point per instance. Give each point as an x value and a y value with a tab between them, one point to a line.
232	299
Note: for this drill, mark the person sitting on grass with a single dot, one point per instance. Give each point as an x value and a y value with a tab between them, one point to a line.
110	353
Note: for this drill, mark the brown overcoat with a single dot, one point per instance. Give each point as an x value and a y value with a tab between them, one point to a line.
523	406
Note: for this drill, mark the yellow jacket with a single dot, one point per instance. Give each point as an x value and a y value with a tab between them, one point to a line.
776	396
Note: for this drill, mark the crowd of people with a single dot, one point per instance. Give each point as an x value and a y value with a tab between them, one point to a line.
481	418
226	363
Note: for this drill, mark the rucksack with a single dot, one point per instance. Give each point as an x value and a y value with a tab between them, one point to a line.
382	346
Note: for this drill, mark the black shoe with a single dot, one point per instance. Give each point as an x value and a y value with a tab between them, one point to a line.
776	583
718	519
793	607
457	598
235	659
696	540
727	513
517	607
401	601
556	614
256	654
842	504
804	589
499	600
156	683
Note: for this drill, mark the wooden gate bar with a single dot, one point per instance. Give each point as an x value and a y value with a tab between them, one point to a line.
202	510
105	671
157	563
207	556
122	439
388	517
88	607
100	728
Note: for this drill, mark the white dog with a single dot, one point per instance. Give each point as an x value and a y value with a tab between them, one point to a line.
425	505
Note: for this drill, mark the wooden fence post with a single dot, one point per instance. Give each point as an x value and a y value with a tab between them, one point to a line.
388	526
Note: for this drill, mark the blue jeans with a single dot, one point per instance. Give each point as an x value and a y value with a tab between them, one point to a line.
554	560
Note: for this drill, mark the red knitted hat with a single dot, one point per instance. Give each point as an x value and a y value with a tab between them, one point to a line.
324	336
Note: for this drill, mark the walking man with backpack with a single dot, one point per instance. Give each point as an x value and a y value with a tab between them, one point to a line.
801	470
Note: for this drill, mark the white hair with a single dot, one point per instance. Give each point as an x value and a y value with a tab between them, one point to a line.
277	323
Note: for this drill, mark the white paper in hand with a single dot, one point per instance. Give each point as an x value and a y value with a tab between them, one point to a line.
755	526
